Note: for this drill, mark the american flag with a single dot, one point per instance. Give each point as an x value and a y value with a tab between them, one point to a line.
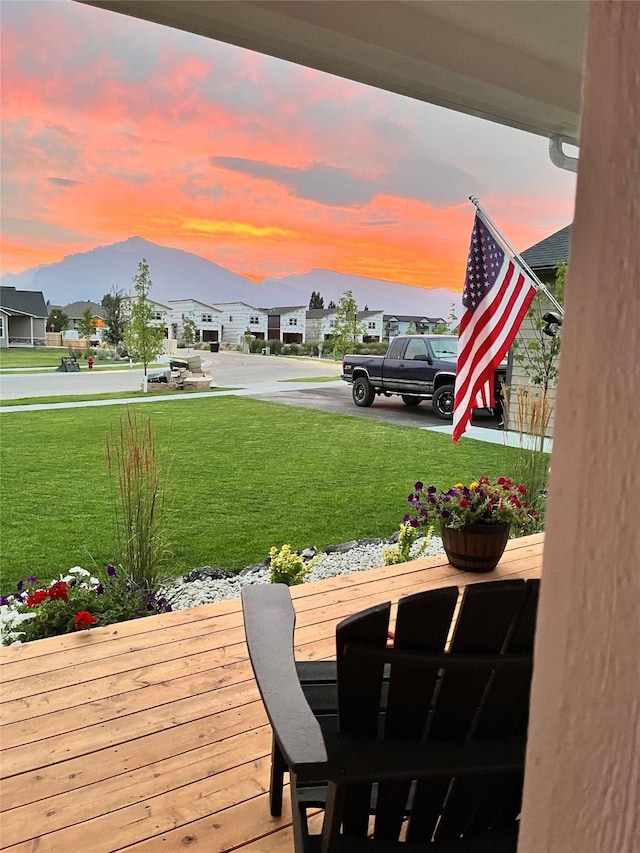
497	295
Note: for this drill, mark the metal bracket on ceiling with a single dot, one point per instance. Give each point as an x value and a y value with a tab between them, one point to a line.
559	158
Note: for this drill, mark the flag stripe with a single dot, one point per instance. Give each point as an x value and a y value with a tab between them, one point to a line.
497	296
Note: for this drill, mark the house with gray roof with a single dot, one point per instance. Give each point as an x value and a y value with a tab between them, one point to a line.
23	317
399	324
545	257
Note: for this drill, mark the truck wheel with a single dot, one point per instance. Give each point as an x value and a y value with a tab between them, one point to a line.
410	400
363	393
443	402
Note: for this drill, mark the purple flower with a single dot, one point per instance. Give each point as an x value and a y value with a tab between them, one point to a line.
414	522
445	513
419	486
111	570
32	579
20	586
4	600
99	589
406	518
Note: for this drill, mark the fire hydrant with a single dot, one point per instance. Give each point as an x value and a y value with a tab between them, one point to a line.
90	362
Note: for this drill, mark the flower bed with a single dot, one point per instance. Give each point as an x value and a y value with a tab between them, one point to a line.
75	602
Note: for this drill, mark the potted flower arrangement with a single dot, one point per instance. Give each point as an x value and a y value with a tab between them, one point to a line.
474	520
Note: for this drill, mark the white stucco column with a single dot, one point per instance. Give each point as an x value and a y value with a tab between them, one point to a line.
582	784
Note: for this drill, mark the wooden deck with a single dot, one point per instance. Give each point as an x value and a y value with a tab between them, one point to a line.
150	735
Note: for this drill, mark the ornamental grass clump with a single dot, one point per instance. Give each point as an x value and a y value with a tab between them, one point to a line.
481	502
135	469
74	602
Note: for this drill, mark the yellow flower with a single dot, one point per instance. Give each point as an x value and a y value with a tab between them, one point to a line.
474	485
458	486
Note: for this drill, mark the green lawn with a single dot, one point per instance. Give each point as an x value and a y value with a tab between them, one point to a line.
32	357
244	475
154	391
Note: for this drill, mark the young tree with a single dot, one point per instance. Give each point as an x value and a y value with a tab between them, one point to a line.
142	337
114	307
189	331
332	304
449	325
316	300
87	323
538	355
347	329
57	321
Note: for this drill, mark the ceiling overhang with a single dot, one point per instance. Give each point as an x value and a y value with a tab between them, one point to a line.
515	62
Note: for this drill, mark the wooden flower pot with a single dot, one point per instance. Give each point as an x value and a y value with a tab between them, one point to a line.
476	548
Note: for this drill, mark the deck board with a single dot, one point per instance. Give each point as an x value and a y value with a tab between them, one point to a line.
150	735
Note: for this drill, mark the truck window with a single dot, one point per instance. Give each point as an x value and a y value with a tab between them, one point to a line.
416	350
396	348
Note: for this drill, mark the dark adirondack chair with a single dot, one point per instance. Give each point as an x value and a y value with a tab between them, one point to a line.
415	747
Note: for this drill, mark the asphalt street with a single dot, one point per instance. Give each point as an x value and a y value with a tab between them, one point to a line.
261	377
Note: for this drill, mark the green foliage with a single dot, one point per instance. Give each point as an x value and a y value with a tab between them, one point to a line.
114	306
275	345
87	323
407	537
411	329
331	304
143	339
140	544
288	567
316	300
450	324
347	330
57	321
189	331
538	356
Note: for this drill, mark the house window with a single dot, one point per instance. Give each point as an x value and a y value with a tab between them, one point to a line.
1	325
293	321
231	318
254	321
332	323
157	315
206	318
371	324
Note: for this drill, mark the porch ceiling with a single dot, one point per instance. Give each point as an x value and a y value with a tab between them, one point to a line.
516	63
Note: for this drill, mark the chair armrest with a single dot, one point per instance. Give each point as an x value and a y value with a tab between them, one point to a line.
269	621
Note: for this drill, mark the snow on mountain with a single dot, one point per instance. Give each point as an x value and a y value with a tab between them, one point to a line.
178	274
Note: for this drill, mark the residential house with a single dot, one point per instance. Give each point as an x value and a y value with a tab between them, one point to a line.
75	312
287	324
319	323
373	321
238	318
403	324
206	317
543	258
23	317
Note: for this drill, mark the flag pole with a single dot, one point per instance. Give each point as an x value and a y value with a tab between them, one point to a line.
538	284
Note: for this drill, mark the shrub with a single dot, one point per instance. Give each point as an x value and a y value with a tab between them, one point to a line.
288	566
402	552
275	346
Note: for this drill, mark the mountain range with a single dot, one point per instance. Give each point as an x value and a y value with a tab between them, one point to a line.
176	274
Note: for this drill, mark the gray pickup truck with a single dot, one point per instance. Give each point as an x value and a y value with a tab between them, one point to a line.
417	367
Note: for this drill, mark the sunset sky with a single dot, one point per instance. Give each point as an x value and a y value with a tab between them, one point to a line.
114	127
